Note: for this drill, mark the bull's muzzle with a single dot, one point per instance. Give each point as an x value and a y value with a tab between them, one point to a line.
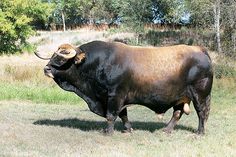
48	71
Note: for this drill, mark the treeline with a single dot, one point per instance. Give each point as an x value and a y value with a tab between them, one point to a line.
19	18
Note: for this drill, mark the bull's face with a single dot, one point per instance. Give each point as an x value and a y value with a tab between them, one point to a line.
62	59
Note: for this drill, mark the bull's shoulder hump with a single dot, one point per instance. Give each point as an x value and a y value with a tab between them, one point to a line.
165	49
186	48
94	44
199	49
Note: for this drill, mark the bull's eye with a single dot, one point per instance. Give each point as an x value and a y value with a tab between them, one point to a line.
61	63
58	61
64	52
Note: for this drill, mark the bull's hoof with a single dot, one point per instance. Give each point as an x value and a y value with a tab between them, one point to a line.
167	130
200	132
130	130
108	132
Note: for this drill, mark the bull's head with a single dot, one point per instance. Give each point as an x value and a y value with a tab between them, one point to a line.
62	59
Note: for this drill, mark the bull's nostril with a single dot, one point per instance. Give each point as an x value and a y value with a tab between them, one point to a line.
47	68
48	72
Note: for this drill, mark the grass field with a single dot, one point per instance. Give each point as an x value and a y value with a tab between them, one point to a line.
39	129
37	118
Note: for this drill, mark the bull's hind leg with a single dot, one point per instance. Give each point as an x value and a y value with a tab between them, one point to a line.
202	107
201	101
177	113
124	117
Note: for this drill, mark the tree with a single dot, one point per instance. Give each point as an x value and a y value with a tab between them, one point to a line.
71	12
15	19
106	10
201	13
169	11
39	12
60	8
206	14
216	15
229	26
135	13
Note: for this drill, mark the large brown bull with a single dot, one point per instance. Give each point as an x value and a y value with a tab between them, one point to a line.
110	76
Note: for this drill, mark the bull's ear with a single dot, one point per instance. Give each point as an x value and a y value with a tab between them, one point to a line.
80	56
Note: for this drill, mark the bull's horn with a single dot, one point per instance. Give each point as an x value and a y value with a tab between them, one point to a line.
41	57
70	53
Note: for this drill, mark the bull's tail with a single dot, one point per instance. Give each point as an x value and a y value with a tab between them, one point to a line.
201	97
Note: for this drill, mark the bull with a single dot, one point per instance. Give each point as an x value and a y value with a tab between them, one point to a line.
110	76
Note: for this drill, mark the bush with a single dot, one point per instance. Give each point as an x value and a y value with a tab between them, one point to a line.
156	38
15	19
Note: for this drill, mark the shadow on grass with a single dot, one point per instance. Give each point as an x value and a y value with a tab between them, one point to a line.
87	125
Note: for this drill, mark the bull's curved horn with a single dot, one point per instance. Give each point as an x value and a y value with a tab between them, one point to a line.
41	57
70	53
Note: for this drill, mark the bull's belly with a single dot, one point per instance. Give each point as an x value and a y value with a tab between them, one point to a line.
154	104
158	101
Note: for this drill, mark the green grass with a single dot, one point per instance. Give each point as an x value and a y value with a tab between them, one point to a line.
36	93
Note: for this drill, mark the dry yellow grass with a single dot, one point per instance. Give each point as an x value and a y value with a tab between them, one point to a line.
22	68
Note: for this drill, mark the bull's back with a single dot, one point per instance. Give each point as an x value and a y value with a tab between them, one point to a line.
152	64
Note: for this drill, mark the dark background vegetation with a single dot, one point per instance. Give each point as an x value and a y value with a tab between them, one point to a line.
157	22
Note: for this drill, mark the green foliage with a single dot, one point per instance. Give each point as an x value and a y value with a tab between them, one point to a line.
135	13
207	13
18	18
172	37
201	12
69	12
169	11
15	19
84	11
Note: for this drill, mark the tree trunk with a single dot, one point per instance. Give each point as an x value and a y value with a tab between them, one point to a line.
217	24
234	42
63	21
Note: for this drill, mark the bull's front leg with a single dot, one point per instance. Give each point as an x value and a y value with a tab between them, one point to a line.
109	130
124	117
113	106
